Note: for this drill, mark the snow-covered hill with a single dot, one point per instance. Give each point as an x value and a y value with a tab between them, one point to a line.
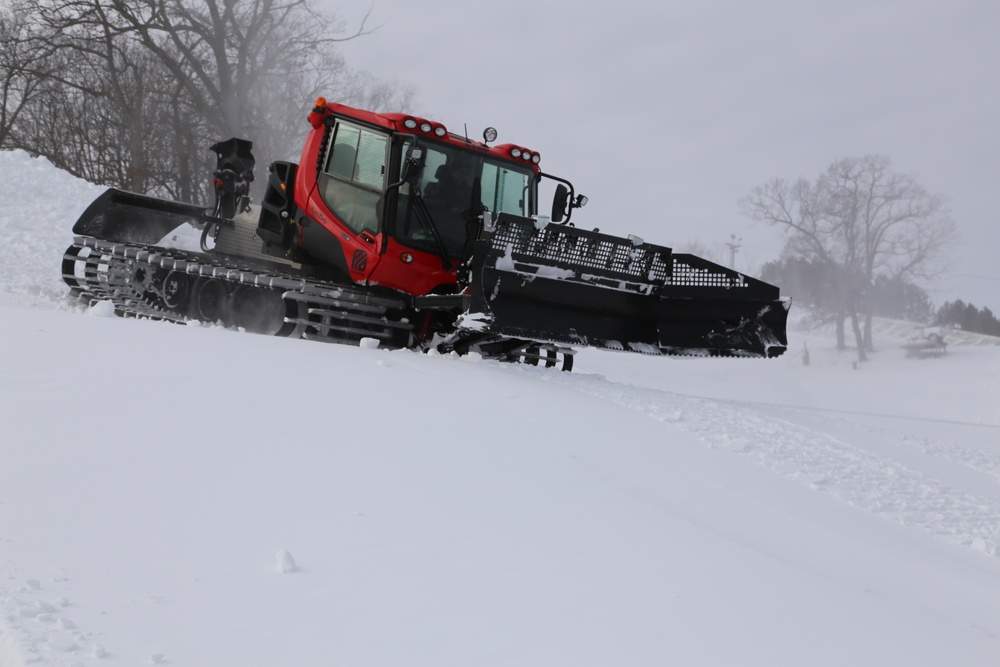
195	496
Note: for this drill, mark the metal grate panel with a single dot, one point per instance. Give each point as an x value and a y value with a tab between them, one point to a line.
581	250
687	273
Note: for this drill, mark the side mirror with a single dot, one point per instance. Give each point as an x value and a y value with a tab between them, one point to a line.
559	202
414	165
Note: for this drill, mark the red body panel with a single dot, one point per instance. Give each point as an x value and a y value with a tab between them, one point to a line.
424	274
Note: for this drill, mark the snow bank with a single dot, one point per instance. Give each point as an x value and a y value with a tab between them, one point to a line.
38	206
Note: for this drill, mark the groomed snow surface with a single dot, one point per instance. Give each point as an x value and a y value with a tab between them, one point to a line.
193	496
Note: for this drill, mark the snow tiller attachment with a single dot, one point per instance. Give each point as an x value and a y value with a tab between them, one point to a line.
575	287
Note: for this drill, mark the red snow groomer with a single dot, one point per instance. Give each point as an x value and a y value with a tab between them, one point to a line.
392	228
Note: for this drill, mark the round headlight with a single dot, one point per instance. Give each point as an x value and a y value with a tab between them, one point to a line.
536	158
515	152
440	131
425	127
525	155
410	124
490	134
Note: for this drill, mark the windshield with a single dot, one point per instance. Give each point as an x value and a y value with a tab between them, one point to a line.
448	185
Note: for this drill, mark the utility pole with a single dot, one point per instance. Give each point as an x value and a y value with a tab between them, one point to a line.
734	245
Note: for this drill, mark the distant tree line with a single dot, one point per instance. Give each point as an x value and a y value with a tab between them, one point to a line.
858	240
131	93
813	285
967	317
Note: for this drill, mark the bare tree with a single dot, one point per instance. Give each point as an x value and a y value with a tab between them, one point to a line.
23	69
864	220
148	85
240	62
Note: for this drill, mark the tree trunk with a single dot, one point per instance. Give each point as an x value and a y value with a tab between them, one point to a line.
858	337
869	344
841	336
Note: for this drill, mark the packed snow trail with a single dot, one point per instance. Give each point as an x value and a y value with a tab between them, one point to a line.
835	459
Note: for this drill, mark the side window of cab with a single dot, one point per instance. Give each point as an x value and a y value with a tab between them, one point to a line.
353	176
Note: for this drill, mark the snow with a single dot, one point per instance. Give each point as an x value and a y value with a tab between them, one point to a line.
156	480
369	343
285	562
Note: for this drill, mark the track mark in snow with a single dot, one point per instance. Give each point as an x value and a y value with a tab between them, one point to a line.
34	630
831	465
987	463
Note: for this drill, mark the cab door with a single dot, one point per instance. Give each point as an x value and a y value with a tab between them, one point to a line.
348	198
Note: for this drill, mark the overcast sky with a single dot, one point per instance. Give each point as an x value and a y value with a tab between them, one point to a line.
665	114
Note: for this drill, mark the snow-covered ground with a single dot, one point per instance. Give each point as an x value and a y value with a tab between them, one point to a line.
200	497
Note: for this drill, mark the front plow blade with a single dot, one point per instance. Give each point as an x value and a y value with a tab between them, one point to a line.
575	287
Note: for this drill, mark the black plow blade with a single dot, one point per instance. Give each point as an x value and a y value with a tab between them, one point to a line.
575	287
128	217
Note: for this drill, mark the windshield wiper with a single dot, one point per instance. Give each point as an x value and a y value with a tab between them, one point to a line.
427	222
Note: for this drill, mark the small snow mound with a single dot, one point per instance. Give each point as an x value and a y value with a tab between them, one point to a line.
285	562
369	343
980	544
156	658
63	645
674	416
102	309
33	584
99	652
